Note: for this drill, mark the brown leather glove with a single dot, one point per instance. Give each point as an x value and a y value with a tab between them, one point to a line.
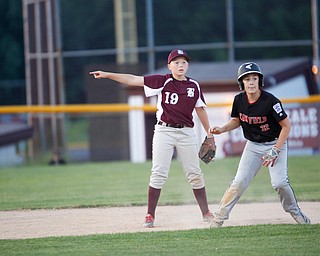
207	150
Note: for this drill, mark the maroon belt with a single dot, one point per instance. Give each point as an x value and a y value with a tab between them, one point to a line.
171	125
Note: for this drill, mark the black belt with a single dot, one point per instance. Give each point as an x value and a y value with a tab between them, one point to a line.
171	125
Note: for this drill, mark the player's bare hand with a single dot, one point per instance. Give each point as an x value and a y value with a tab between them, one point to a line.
98	74
215	130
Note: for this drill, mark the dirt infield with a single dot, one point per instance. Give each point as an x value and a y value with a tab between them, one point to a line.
85	221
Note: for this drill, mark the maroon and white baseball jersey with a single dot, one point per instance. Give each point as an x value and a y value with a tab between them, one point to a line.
176	99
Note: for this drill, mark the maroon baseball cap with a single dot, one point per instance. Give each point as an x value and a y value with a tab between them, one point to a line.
178	53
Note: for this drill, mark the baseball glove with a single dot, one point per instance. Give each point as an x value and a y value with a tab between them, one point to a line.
207	150
270	157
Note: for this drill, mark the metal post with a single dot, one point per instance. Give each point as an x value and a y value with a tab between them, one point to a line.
51	73
150	36
59	72
315	40
39	73
230	35
27	69
126	31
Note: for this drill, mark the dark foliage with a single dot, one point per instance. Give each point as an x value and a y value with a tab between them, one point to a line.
90	25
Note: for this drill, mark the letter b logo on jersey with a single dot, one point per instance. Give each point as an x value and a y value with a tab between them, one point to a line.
190	92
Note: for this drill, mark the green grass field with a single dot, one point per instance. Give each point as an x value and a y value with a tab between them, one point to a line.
280	240
124	183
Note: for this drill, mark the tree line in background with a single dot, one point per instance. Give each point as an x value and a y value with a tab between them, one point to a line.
90	25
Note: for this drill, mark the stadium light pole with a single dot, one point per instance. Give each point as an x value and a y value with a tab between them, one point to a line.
150	36
315	40
230	28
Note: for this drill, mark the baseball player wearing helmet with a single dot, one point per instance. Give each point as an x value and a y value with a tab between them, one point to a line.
178	96
266	127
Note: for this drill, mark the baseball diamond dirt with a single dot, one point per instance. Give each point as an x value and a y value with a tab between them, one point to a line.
85	221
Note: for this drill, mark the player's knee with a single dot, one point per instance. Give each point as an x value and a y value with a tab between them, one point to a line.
196	181
238	187
159	176
279	184
157	181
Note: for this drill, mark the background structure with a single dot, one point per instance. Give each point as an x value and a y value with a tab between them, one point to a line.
63	39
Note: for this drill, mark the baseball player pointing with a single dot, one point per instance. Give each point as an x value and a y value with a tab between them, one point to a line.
178	96
266	127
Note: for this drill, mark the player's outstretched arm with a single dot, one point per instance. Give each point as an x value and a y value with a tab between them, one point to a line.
127	79
232	124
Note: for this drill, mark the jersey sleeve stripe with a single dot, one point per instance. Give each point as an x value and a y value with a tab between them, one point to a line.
152	92
200	102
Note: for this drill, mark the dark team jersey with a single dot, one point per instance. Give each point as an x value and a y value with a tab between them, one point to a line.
259	120
176	99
